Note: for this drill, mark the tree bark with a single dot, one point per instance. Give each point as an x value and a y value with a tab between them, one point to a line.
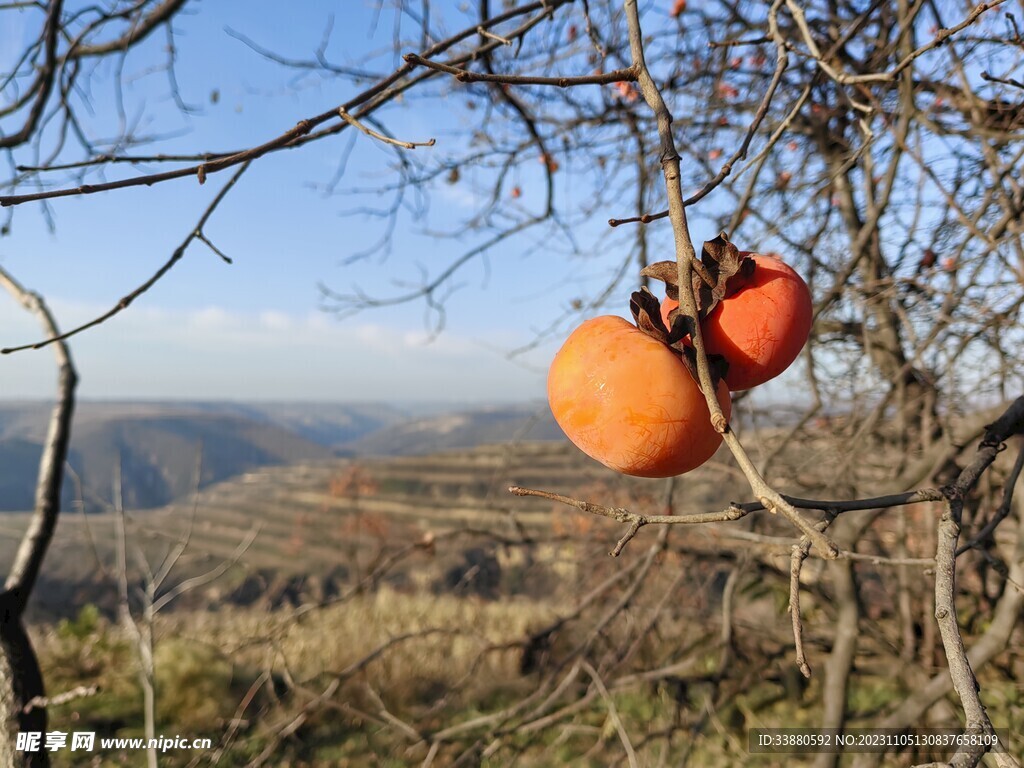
21	680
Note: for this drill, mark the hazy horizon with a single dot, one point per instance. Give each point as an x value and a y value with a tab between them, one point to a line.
254	329
398	404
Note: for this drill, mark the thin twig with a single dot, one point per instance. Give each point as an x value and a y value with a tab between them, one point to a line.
939	39
736	511
960	671
380	136
1004	506
623	515
613	714
206	241
466	76
126	301
490	35
1002	80
374	97
41	702
796	562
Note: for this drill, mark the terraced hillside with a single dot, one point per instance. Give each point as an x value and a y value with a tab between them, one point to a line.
335	518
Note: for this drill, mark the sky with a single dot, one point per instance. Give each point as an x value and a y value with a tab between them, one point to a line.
254	329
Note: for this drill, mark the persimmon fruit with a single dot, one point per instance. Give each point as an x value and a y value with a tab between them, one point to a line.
628	401
761	325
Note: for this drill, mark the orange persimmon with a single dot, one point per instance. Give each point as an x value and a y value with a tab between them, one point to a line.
628	401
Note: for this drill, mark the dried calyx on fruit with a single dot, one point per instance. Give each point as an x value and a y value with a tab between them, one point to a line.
720	261
629	395
647	315
754	310
712	276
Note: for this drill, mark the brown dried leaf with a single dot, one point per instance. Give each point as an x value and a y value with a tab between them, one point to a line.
680	326
721	260
646	311
689	358
666	271
718	367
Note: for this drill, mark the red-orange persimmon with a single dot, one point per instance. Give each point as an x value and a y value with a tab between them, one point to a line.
761	325
628	401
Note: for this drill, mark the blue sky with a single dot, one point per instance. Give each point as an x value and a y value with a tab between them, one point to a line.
253	329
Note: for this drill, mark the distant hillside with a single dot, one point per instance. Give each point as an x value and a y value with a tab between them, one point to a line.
159	454
158	444
19	460
328	424
157	447
460	429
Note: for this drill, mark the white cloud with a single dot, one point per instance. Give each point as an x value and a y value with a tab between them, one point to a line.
276	321
211	319
211	352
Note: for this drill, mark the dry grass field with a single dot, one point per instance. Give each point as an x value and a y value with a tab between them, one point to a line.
383	601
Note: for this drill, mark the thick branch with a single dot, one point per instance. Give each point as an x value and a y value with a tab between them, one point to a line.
34	544
44	81
137	32
960	671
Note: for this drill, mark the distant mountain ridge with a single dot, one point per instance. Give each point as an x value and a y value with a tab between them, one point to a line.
460	429
328	424
158	444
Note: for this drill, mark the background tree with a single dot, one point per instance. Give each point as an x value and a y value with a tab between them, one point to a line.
875	144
